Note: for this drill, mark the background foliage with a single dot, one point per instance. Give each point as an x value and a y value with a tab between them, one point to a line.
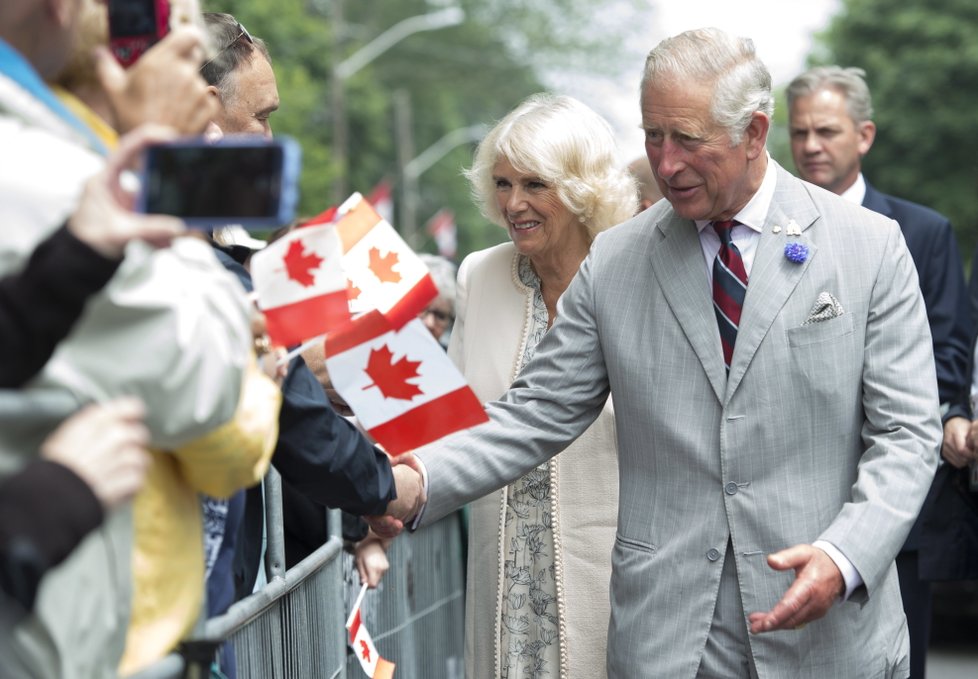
473	73
921	63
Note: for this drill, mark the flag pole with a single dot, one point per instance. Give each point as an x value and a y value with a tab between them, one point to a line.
302	347
356	606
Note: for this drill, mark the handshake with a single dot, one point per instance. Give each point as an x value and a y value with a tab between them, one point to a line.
409	482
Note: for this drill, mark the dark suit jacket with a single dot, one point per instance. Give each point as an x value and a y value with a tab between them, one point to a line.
930	239
950	550
319	454
934	249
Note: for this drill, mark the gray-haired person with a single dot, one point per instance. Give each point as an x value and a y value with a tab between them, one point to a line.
776	412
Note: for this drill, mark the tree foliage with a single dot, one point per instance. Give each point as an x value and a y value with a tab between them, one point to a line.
921	63
457	77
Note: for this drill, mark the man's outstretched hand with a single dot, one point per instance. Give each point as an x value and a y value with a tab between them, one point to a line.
818	584
410	497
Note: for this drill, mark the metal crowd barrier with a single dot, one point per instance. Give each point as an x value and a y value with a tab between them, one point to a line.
293	627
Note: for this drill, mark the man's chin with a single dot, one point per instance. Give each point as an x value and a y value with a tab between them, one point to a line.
688	210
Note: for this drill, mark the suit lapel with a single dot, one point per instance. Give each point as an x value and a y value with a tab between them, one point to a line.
677	264
773	277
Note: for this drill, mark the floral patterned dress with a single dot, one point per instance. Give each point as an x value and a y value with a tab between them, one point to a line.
529	632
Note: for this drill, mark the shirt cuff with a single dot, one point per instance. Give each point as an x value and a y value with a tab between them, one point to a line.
424	480
849	573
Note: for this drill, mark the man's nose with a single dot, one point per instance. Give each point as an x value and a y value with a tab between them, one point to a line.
670	160
812	143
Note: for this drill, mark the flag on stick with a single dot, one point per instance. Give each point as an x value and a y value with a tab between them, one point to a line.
383	201
442	228
363	646
383	272
401	384
300	284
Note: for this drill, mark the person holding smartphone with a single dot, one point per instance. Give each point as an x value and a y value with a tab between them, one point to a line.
191	386
96	460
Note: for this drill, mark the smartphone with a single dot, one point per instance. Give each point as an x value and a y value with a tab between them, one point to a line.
135	26
238	180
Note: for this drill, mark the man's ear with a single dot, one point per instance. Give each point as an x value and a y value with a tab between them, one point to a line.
214	127
755	136
867	134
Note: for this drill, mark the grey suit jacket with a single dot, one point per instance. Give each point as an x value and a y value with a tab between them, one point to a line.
822	431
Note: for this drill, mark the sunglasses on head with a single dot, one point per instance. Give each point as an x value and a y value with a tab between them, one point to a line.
242	33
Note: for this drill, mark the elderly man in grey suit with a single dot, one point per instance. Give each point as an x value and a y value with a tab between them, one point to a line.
778	422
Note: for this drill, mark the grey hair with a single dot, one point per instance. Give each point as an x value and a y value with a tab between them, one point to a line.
849	82
443	272
565	144
233	45
741	81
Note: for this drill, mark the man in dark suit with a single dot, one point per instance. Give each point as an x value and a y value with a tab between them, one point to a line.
831	130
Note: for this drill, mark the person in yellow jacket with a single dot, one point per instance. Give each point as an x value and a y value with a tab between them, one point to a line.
172	328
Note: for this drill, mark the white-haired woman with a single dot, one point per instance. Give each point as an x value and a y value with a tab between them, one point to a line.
539	559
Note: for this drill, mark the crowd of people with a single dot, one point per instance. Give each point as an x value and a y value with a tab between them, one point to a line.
730	408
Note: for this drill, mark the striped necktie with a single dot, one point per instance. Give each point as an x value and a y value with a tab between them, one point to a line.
729	288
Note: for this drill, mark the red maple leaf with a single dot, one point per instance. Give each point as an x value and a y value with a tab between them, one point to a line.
392	378
352	291
299	264
383	267
365	650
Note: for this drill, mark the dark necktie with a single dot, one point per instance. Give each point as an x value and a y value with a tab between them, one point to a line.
729	288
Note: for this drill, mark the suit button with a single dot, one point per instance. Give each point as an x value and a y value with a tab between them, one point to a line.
713	555
730	488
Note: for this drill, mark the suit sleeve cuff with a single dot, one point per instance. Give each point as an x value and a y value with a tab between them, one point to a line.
849	573
424	479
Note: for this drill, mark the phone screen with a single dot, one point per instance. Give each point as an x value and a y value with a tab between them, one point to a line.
225	183
130	18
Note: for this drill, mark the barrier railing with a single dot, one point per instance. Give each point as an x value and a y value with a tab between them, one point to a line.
294	626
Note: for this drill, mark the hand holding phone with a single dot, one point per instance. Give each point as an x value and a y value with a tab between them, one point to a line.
135	26
163	87
249	181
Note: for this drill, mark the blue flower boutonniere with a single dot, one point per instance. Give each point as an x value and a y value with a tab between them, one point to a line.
796	252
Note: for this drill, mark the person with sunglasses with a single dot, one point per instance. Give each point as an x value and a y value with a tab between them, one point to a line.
240	77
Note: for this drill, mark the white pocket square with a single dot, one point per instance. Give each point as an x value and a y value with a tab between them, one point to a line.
826	308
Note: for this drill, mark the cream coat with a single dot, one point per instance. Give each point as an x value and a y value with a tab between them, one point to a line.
488	341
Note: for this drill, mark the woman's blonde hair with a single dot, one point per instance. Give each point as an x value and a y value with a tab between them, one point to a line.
565	144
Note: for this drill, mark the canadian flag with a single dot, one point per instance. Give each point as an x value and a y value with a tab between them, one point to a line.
300	284
383	272
383	201
442	228
363	646
401	385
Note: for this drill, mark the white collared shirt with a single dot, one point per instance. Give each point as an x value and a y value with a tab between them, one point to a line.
857	192
747	233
